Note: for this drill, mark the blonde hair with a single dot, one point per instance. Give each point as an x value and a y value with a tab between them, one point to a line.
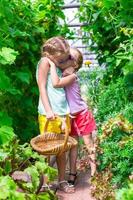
54	46
79	59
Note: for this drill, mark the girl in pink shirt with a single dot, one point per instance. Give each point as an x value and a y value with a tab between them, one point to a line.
82	122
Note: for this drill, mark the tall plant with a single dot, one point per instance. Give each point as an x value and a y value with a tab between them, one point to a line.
110	29
25	24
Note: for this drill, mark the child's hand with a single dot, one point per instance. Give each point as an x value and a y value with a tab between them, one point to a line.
68	71
50	115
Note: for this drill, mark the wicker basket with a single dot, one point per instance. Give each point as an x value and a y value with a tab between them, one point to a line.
52	143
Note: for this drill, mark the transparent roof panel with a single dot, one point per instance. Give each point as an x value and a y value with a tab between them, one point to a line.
70	15
70	1
75	26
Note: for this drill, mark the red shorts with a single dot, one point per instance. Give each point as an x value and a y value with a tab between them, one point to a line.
83	123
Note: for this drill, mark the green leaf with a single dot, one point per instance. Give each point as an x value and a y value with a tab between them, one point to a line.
6	134
8	167
125	193
108	3
17	195
19	33
3	155
44	168
128	68
45	196
28	152
5	119
7	55
32	171
61	15
14	91
24	76
129	81
4	81
7	186
1	171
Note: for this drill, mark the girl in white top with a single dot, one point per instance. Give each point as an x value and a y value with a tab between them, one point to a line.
52	101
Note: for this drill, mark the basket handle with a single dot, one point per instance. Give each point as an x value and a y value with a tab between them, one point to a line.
46	125
66	135
66	132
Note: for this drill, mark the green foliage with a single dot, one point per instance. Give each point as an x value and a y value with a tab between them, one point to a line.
5	119
6	134
111	33
21	158
91	78
125	193
110	30
7	56
8	189
111	100
25	25
23	155
114	158
127	112
102	189
116	149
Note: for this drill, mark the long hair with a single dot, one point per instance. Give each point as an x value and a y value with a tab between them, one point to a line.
79	59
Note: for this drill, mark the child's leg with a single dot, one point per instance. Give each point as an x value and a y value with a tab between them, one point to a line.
55	126
72	159
88	140
63	185
61	163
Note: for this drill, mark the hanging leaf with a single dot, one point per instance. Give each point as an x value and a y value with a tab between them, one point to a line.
4	81
19	33
7	56
128	68
14	91
6	134
24	76
5	119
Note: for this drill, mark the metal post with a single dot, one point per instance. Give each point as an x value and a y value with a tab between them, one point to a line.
78	25
77	5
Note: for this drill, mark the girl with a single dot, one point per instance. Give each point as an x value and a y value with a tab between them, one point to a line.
82	122
52	101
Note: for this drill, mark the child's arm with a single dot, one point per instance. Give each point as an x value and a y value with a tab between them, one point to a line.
42	80
60	82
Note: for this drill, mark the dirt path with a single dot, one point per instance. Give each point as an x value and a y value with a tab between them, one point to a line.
82	189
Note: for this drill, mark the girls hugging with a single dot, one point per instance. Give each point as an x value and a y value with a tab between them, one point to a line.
60	97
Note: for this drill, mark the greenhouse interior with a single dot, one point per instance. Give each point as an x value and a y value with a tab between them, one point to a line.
63	62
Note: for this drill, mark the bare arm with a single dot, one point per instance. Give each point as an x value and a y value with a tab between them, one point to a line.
60	82
42	80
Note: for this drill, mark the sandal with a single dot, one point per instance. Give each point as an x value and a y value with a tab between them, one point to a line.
72	182
65	187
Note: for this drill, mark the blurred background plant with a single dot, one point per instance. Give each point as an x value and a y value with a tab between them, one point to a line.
110	90
25	25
